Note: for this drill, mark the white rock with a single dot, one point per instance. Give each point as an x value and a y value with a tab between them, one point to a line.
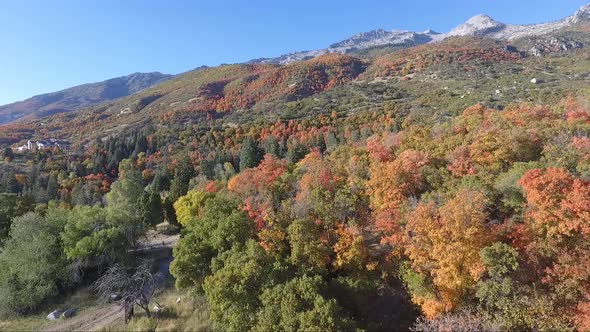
54	315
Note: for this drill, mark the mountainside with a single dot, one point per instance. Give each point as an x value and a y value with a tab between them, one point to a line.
451	75
535	39
80	96
231	92
479	25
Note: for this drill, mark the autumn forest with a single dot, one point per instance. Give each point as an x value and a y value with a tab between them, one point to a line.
438	187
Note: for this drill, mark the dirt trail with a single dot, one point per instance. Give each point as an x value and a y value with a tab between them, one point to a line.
94	319
104	316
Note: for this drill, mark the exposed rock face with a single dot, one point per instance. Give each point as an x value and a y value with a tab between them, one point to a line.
582	15
553	45
479	25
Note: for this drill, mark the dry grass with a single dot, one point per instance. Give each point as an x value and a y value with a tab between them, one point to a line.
82	299
190	314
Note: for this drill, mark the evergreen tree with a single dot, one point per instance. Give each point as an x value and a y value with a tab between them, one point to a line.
250	154
271	146
52	187
183	174
296	152
151	211
8	154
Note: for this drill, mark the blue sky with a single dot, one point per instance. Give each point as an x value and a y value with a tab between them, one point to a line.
51	45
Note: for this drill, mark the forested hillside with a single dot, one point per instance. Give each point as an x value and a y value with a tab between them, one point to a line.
444	186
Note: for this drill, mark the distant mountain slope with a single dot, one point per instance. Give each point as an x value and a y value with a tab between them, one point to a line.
478	26
195	95
80	96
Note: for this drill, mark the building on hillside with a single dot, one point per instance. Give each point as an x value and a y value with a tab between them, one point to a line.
43	144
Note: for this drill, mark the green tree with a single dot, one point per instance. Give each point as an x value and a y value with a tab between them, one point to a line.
151	210
8	154
12	206
8	182
308	251
296	152
87	235
507	303
182	176
123	208
52	186
250	154
272	146
218	226
188	207
233	290
34	267
300	305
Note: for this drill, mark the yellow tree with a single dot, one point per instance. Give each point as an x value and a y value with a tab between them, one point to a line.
443	246
390	185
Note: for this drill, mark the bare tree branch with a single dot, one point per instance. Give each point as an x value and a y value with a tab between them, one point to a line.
134	286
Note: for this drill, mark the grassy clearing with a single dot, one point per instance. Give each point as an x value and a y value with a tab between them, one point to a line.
190	314
81	299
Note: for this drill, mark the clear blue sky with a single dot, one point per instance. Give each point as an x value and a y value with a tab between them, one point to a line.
48	45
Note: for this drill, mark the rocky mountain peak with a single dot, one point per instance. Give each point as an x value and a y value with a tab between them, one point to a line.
582	15
477	25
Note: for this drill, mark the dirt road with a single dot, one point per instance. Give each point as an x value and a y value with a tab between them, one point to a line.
94	319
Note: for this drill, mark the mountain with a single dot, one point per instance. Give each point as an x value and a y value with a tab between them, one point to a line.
275	87
534	39
485	26
479	25
364	40
81	96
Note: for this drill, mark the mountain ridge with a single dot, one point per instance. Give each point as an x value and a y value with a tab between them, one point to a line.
80	96
480	25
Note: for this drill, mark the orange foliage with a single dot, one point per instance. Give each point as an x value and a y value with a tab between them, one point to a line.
574	112
257	83
443	244
253	184
454	50
558	203
389	187
461	163
391	183
351	250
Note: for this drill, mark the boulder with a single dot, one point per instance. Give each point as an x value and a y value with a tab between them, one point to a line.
114	297
54	315
69	313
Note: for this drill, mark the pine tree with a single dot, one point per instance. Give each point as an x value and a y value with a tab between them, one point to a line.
250	155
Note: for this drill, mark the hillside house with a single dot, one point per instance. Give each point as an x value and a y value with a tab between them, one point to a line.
43	144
